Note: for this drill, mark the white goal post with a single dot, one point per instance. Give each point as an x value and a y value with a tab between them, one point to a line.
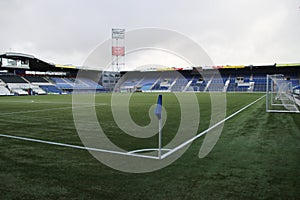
279	95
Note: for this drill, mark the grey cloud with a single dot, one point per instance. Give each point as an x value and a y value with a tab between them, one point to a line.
231	32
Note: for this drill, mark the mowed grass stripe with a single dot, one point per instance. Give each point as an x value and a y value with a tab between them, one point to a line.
256	157
52	123
108	151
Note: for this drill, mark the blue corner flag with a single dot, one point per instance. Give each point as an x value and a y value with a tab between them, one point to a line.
158	109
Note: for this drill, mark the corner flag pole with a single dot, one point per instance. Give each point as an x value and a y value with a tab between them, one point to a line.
158	113
159	138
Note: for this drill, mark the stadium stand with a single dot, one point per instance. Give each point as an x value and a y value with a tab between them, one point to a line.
51	89
69	84
62	83
11	78
43	85
36	79
88	84
232	80
241	79
41	78
4	91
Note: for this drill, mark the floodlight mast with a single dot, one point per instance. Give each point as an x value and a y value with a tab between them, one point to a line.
118	49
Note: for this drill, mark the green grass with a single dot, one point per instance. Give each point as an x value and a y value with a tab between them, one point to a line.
256	157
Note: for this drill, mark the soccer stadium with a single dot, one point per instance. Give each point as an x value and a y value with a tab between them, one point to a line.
149	100
44	156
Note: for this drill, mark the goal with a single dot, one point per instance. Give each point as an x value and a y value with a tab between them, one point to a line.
279	95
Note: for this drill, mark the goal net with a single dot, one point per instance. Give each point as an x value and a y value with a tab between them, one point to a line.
279	95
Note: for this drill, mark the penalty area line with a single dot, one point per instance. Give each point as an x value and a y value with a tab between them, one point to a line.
79	147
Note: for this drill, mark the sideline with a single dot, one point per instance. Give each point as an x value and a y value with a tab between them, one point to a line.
77	147
49	109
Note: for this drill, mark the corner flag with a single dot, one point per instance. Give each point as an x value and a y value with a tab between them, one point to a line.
158	109
157	112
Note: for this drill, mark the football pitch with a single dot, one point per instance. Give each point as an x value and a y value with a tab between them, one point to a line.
256	157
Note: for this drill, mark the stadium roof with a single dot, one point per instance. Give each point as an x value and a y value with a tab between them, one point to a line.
34	63
16	55
40	65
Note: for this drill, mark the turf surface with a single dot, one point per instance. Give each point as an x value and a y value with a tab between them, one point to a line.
256	157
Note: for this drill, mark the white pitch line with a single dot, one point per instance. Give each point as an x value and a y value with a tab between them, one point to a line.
42	110
207	130
78	147
144	150
33	111
50	102
36	101
130	153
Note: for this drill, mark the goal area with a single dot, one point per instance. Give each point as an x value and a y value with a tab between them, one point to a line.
280	96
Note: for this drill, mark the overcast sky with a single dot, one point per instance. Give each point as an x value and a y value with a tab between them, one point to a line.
230	31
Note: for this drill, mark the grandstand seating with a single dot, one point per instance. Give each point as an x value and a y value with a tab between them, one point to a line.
62	83
38	90
216	85
4	90
148	82
260	83
19	88
89	84
231	80
18	91
51	89
19	85
36	79
180	84
12	79
12	84
78	84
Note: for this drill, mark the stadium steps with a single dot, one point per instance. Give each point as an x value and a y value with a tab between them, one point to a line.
173	83
4	91
207	85
188	85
